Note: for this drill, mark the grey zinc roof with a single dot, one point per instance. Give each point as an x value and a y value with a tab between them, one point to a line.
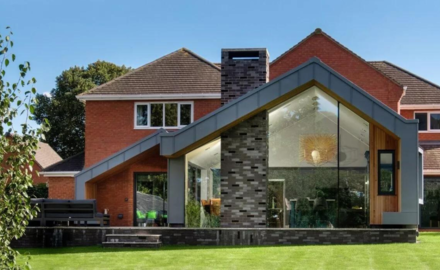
179	72
314	69
419	90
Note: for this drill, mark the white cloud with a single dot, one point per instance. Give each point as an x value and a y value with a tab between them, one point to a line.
47	94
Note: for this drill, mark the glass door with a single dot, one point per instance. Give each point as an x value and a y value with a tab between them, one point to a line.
151	199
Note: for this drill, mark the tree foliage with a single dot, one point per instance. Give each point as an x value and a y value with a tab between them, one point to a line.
65	111
17	152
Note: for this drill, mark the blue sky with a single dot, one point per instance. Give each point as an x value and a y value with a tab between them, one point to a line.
55	35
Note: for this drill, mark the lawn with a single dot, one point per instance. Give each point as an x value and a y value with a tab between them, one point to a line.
423	255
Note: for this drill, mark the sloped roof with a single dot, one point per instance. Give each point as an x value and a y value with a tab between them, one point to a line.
74	163
431	155
179	72
46	156
419	90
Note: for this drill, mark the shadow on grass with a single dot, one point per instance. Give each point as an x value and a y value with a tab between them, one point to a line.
100	249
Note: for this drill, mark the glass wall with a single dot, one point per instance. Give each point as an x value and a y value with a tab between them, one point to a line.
317	179
151	199
203	186
430	210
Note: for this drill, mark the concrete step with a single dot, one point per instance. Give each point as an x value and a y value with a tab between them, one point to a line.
132	244
140	238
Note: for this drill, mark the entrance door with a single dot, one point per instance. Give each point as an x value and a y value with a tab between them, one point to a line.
150	196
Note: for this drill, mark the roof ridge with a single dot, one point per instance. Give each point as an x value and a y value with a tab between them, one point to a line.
318	31
147	65
63	160
409	72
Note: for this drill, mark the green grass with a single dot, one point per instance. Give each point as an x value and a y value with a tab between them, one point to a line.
423	255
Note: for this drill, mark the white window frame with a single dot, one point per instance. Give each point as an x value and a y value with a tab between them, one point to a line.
179	103
428	120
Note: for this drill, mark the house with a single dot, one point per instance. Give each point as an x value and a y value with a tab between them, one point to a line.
296	142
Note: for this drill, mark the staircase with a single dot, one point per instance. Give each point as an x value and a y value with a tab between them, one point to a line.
133	240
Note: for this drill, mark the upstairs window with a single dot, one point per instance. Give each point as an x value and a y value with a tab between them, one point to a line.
428	121
163	115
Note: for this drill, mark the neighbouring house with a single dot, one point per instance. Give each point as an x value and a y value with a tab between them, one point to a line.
319	137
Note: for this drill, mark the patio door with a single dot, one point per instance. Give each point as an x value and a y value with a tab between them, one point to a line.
151	201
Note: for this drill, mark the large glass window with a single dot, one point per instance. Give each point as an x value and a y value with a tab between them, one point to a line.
151	199
430	210
308	185
163	115
203	186
386	173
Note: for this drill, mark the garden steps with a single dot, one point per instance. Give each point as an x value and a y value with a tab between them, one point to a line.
133	240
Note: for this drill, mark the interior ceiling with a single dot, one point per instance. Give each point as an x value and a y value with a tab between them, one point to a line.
206	156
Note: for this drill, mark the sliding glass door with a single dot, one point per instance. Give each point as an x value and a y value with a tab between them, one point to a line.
151	199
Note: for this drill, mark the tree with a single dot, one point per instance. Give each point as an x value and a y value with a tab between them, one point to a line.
17	152
65	111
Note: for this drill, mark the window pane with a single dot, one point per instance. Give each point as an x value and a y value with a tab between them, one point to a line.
354	146
171	114
435	121
430	210
157	115
185	114
303	174
386	172
151	199
142	115
203	186
423	120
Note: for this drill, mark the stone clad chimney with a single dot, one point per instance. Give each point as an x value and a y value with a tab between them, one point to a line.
241	71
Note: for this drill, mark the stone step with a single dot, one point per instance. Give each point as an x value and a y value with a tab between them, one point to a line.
132	244
139	238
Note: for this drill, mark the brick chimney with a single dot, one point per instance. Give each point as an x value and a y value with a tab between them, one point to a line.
242	71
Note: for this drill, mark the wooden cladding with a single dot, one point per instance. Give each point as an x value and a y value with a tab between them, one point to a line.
381	140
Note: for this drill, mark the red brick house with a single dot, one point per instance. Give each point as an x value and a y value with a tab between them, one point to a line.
177	89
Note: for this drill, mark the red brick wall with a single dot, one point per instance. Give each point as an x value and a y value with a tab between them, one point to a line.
423	136
348	65
113	191
110	126
61	188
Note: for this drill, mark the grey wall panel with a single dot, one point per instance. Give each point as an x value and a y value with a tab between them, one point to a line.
289	83
133	151
166	145
340	88
322	75
149	143
226	116
400	218
205	128
306	74
363	103
384	117
176	190
184	139
269	93
248	105
80	182
99	169
115	161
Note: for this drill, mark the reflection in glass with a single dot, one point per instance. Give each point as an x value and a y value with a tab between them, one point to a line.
171	114
386	172
151	199
423	120
203	186
435	120
185	114
142	115
430	210
303	156
316	180
157	115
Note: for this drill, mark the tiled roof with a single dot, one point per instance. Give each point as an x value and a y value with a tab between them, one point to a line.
46	156
74	163
431	155
179	72
419	90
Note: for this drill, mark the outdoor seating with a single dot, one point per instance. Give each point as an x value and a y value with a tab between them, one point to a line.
68	212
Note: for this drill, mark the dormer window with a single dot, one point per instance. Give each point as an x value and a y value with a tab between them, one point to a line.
163	115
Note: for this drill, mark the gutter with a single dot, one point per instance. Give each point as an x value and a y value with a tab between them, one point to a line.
59	174
97	97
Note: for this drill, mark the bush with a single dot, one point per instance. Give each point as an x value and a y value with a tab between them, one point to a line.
38	191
